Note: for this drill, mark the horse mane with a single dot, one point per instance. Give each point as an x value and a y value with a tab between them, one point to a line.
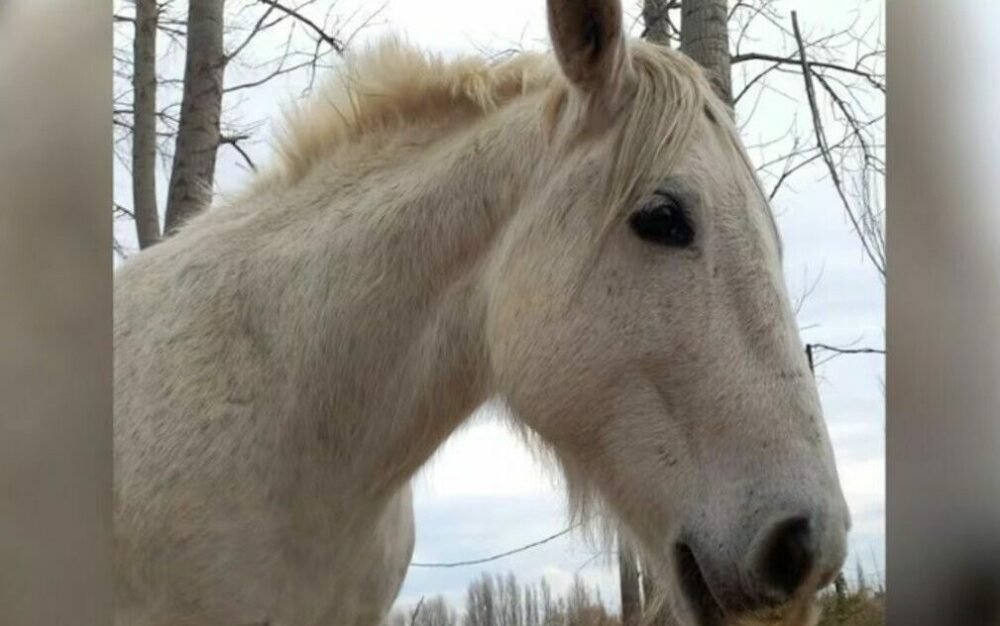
393	83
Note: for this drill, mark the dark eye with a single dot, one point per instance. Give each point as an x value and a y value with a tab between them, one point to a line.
663	221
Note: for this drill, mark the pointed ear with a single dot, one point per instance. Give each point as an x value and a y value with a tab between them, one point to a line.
589	43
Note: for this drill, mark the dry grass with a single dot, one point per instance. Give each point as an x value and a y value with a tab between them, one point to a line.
857	608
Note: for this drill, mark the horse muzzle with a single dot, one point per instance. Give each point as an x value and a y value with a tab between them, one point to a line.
789	558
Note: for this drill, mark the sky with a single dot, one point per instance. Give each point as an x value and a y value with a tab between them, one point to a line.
483	493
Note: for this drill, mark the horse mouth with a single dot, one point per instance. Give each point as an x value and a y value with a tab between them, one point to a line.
704	607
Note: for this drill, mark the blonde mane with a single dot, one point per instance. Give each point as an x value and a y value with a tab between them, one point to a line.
393	83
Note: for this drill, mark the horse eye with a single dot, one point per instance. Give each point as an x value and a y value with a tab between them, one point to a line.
663	221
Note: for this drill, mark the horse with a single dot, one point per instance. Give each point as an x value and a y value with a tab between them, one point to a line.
578	234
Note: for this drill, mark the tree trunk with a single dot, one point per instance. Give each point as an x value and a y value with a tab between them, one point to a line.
147	219
705	38
654	16
628	576
193	170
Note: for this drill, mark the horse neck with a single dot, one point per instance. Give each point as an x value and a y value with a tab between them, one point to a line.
389	355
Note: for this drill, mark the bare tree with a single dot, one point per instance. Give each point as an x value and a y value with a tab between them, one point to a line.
198	136
435	612
863	221
656	18
510	601
147	219
532	608
201	109
705	38
840	80
480	602
549	610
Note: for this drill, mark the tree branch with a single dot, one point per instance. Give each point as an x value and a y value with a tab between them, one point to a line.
824	149
234	141
333	42
257	28
792	60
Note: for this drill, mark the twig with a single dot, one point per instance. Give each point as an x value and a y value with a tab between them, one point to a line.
121	209
253	33
118	248
333	42
416	611
751	82
823	346
811	348
234	141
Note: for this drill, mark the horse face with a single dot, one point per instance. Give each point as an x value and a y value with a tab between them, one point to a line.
660	358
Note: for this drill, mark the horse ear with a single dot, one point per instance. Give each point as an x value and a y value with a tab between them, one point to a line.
589	43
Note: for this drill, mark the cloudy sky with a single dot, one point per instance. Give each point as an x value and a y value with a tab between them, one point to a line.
483	493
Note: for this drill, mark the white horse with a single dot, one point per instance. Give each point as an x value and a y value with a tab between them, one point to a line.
578	234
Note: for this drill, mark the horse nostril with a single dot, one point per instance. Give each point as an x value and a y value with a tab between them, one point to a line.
787	555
